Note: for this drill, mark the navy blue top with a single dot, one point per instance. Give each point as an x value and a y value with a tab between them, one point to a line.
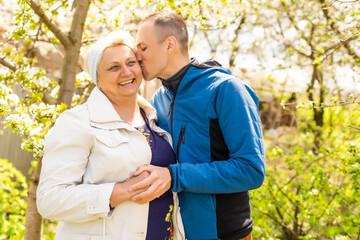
160	209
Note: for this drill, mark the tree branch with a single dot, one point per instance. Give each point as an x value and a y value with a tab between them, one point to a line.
325	208
346	43
353	127
277	208
302	171
320	105
330	50
191	42
212	46
285	195
348	1
296	214
287	45
7	64
235	41
285	8
275	219
270	216
48	22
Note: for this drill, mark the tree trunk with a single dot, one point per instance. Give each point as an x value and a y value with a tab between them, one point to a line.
33	220
72	43
72	52
319	113
317	108
68	75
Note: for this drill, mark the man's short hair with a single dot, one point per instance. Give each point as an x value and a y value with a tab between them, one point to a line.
170	24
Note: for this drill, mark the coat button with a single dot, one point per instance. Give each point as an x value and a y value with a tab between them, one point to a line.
90	207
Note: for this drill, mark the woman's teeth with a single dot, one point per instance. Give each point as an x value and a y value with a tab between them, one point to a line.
128	82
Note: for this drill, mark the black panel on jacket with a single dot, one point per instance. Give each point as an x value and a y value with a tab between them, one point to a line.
233	215
219	149
233	209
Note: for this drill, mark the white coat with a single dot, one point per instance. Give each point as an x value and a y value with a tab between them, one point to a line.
86	152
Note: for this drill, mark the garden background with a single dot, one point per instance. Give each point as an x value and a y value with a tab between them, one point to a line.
301	57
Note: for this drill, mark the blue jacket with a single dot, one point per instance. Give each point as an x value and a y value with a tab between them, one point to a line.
213	118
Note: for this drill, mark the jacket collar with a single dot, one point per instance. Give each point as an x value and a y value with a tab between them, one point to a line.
173	82
102	114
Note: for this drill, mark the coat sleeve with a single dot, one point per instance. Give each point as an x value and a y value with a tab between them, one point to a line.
236	107
62	194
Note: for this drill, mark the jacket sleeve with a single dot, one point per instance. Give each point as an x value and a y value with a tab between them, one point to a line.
236	107
62	194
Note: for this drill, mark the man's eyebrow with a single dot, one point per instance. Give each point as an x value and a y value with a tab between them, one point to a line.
141	43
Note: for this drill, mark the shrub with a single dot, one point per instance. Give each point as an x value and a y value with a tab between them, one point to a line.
309	195
13	193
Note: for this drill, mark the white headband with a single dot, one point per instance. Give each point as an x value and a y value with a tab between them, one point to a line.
96	50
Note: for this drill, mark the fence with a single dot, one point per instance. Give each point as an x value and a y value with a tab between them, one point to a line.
10	149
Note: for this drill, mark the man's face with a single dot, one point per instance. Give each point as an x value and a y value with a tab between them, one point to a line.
151	53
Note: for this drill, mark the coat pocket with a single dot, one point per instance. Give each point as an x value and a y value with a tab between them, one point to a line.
111	139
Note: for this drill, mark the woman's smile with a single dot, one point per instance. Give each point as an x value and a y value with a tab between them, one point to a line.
125	83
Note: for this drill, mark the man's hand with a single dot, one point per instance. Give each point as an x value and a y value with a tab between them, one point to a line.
157	183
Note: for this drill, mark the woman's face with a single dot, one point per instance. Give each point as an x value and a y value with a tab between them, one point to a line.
119	73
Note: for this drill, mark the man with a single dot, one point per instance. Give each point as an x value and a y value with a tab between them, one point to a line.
214	121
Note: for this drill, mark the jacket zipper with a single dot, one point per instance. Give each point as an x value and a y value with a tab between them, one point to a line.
182	132
181	139
171	112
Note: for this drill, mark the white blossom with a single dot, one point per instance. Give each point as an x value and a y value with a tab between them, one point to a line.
314	192
13	98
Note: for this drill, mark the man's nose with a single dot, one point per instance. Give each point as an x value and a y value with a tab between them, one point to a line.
138	57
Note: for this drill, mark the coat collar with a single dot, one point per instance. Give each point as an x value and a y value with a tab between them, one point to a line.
103	115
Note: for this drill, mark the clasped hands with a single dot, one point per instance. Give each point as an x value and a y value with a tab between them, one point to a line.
147	183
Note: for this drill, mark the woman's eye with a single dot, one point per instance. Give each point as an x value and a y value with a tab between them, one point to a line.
113	67
132	62
143	49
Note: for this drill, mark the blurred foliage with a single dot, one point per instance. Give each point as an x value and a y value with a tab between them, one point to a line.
13	196
307	195
13	193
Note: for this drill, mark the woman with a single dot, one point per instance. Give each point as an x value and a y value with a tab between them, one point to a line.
93	150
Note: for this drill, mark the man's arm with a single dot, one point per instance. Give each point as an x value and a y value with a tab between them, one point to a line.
158	182
238	117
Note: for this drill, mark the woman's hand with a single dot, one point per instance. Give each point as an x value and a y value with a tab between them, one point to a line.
158	182
121	191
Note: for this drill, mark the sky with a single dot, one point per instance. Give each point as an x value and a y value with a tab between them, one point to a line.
346	77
